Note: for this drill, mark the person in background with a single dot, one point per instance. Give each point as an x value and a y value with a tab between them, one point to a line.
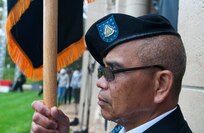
68	92
40	88
18	84
76	86
143	62
63	83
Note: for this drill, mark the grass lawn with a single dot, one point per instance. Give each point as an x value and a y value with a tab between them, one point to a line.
16	111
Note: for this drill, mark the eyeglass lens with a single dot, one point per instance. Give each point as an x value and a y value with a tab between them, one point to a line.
106	72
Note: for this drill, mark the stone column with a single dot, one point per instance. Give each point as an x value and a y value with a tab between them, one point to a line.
133	7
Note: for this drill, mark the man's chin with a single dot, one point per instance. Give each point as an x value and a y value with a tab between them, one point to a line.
106	115
114	118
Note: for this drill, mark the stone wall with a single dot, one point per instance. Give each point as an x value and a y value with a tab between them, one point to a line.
191	28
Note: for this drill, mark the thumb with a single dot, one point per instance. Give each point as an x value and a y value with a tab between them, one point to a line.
61	119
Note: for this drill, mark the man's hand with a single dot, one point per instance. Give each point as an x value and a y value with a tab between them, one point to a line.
47	120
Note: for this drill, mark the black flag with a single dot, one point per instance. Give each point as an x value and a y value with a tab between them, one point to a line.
24	28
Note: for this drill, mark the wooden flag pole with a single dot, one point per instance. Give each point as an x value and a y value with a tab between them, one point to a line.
50	18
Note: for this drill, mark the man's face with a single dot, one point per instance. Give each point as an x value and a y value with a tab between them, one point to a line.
129	97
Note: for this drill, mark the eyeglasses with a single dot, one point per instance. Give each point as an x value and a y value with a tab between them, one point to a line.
109	74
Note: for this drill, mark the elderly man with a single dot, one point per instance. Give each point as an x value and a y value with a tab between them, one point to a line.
143	63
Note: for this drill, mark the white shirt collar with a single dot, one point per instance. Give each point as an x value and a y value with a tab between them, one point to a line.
147	125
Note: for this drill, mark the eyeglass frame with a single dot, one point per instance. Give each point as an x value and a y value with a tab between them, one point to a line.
102	70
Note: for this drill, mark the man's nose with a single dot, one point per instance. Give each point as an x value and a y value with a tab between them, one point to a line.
102	83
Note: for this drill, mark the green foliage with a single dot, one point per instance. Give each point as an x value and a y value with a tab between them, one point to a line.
8	60
75	64
1	3
16	111
9	73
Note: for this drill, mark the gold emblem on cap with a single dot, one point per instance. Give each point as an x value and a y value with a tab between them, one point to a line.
108	31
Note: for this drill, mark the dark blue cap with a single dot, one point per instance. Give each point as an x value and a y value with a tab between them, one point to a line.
115	29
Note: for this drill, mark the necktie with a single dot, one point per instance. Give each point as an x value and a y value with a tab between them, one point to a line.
116	129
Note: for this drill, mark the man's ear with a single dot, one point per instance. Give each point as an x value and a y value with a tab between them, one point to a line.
164	81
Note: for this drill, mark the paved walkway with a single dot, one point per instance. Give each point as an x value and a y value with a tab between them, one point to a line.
69	110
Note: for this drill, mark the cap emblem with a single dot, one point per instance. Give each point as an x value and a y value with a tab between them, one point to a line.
108	30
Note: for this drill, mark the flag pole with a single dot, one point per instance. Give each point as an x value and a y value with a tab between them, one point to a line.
50	18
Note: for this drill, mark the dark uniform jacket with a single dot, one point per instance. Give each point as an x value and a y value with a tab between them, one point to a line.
172	123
